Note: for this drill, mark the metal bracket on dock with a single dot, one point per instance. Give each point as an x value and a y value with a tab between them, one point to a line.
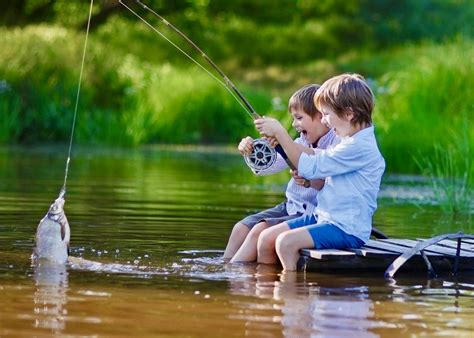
403	258
378	234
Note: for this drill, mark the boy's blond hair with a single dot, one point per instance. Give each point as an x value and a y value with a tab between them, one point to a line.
347	92
303	99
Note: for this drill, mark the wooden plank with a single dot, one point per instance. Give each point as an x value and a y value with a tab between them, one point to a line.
470	244
410	243
467	240
351	264
364	252
453	244
379	254
382	245
370	252
326	253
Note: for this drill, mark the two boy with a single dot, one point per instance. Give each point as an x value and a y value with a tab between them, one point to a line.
243	244
351	170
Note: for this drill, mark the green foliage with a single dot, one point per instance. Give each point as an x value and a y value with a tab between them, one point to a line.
170	105
124	101
451	174
10	123
44	78
425	100
130	96
289	31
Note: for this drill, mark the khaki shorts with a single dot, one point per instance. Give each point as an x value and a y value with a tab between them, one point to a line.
272	216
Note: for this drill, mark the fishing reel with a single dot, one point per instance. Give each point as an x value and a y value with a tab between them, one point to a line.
263	156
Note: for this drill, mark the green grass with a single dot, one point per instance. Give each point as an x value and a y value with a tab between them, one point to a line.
451	175
428	100
124	100
10	105
423	95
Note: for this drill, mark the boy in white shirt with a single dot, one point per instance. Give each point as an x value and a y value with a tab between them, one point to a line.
352	170
300	193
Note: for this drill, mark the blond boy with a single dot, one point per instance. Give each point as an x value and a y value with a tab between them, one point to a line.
352	170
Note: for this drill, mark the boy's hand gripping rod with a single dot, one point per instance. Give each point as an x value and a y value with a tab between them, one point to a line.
263	155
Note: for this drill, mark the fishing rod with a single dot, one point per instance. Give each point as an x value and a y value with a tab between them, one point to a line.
263	155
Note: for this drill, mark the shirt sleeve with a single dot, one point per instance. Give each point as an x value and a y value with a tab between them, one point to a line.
280	163
341	159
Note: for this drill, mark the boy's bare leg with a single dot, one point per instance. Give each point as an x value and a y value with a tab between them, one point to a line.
237	237
248	250
266	243
288	246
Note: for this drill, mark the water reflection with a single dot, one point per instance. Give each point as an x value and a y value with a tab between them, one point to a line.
155	224
312	313
305	308
50	297
323	305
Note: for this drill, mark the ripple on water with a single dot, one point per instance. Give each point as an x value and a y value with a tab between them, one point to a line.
154	225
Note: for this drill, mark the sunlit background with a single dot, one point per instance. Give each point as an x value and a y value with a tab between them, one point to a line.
156	184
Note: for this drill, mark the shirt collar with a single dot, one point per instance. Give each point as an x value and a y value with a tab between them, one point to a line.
326	138
361	133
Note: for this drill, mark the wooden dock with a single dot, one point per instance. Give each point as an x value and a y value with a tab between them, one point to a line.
449	252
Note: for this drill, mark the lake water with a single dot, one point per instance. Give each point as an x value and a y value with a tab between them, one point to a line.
156	221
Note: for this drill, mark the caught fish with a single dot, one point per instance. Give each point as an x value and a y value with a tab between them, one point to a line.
53	234
52	248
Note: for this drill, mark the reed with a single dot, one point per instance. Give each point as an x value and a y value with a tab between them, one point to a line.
451	174
124	100
10	123
425	101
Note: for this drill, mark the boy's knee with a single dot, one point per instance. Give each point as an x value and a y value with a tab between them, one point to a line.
261	226
254	234
265	242
284	244
239	227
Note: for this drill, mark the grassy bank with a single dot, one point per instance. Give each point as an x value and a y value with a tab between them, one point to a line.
425	100
423	96
124	100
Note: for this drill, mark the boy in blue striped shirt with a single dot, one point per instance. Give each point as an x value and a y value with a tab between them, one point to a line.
352	170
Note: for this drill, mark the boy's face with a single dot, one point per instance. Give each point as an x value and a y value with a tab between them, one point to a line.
311	128
342	126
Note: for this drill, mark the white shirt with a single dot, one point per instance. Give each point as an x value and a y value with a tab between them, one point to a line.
299	198
353	170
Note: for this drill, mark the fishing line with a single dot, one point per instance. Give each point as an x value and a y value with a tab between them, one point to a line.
63	189
249	111
263	155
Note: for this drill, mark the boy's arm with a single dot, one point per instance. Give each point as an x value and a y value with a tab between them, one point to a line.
272	128
317	184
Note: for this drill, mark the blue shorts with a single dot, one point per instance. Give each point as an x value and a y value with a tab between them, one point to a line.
325	235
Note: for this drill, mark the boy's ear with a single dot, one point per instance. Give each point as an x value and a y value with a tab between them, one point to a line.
349	114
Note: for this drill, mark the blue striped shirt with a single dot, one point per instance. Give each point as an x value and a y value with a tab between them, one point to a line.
353	170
